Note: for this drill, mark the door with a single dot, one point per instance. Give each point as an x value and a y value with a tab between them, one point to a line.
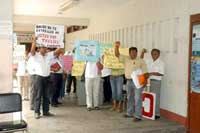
194	76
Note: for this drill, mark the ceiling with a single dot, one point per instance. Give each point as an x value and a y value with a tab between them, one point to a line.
84	9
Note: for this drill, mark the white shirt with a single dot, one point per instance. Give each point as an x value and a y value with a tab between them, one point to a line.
21	69
59	61
42	64
91	70
106	72
31	65
155	66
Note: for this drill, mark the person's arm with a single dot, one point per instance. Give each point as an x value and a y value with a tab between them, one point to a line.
142	53
117	54
58	51
155	74
33	47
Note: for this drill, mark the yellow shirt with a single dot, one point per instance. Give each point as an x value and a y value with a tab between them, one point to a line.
132	64
117	72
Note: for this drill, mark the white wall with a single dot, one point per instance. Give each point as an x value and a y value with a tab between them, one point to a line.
71	37
6	13
174	87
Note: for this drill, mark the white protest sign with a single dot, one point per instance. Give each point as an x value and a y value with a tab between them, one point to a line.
18	53
51	36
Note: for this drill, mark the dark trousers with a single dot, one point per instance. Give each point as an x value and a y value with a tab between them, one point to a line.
56	80
71	79
33	91
107	89
42	94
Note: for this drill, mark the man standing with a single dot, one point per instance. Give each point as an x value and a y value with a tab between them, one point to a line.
131	63
42	71
156	71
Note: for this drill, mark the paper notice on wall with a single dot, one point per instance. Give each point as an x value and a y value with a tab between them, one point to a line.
51	36
78	68
196	40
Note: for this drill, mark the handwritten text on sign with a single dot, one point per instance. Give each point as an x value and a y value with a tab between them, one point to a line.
49	35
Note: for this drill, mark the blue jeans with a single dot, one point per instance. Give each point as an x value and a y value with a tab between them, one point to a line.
116	86
134	103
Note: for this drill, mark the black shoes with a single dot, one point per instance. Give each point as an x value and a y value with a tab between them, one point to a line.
127	116
96	108
54	105
157	117
48	114
137	119
89	109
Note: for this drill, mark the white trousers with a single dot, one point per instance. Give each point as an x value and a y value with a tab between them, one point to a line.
92	86
23	85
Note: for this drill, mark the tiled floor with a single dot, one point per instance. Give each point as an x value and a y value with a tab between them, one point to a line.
71	118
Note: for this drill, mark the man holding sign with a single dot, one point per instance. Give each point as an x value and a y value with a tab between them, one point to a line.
42	60
132	63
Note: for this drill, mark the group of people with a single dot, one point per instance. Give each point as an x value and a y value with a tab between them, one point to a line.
153	70
47	79
44	74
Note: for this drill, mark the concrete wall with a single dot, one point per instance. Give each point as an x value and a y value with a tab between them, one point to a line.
141	12
6	12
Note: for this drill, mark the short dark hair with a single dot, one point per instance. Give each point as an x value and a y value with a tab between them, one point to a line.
132	48
117	42
155	50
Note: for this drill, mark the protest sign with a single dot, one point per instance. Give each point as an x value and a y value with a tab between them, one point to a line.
87	51
111	61
18	53
67	60
105	46
51	36
78	68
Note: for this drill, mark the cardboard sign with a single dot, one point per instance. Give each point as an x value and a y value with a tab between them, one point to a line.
149	103
104	47
78	68
87	51
111	61
68	61
18	53
138	78
51	36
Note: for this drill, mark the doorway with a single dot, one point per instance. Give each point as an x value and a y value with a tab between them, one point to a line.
194	75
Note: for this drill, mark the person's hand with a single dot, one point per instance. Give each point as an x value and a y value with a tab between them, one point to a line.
144	50
117	45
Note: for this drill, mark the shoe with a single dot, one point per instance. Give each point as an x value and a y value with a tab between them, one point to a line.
54	105
48	114
137	119
127	116
89	109
31	108
26	99
157	117
37	115
96	108
58	103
